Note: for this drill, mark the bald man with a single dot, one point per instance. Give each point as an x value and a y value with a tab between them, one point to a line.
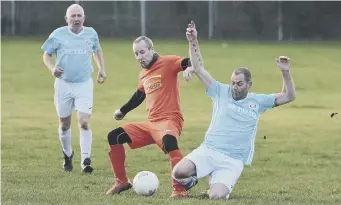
74	45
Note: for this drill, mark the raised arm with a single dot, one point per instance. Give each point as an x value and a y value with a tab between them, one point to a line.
196	58
288	93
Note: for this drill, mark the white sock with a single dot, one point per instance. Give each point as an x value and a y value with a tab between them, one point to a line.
227	196
65	140
85	143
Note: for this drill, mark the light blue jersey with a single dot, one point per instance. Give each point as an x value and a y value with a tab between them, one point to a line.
234	123
73	52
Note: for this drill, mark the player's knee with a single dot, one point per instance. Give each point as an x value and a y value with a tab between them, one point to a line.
214	195
64	126
184	169
170	143
118	136
65	123
218	191
83	120
179	172
84	125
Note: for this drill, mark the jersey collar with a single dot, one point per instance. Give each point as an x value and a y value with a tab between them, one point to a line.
154	59
75	34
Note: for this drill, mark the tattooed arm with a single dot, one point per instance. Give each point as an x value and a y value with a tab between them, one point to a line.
195	56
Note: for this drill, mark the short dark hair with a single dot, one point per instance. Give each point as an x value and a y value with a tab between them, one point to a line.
147	41
245	71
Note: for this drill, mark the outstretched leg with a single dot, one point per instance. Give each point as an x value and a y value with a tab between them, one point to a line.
170	146
185	173
136	135
166	134
225	177
194	166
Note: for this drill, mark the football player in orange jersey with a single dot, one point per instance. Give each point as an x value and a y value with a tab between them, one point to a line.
159	85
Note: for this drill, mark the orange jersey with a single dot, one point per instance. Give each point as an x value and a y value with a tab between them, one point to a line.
161	85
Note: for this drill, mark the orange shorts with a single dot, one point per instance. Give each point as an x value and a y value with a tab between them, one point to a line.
146	133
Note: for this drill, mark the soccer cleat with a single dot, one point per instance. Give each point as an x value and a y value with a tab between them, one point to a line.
68	162
119	187
86	168
193	181
179	193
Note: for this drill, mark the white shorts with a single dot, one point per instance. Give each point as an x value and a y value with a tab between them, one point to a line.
73	96
220	168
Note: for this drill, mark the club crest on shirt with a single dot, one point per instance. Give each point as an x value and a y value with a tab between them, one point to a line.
89	44
252	105
152	84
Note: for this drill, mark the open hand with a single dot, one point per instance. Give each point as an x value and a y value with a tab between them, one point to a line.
283	63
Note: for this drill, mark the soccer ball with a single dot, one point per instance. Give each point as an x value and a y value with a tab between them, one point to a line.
145	183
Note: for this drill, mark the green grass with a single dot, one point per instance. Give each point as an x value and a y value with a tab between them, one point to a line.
298	163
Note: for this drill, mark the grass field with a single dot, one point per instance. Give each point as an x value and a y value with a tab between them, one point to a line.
299	162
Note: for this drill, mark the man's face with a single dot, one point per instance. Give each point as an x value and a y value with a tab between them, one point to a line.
75	17
240	87
143	54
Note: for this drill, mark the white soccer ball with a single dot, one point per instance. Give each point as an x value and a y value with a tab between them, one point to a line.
145	183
